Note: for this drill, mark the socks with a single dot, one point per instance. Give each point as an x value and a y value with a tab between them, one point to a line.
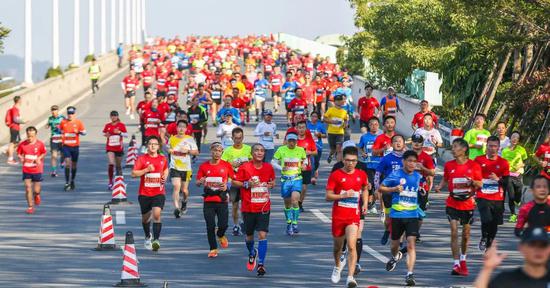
73	174
409	273
146	229
296	215
456	262
54	169
118	170
156	230
288	215
262	251
359	248
67	174
463	257
111	172
250	247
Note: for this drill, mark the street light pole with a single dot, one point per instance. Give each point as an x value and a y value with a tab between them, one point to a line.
28	43
127	10
103	28
113	25
91	31
143	30
76	33
55	33
120	21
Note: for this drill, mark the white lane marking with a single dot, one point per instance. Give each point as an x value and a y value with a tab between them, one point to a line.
367	248
120	217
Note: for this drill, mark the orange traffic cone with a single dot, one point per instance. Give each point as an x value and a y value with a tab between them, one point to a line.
106	239
129	276
119	192
132	153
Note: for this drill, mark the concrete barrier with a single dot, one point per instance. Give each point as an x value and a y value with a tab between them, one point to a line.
308	46
37	99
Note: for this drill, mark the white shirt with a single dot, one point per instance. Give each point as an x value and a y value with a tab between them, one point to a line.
429	136
503	144
224	132
267	141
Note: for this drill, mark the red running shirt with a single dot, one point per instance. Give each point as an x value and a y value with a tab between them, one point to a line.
215	176
368	106
255	199
114	140
130	84
338	181
152	183
30	153
456	175
492	190
544	153
418	119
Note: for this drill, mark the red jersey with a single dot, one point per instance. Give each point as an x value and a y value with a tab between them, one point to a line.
428	162
544	153
309	145
238	103
276	81
71	132
173	87
255	199
460	193
152	121
309	93
130	84
152	183
298	106
418	119
491	189
12	115
147	77
114	140
320	90
142	106
268	65
215	176
368	105
30	153
161	81
339	181
382	141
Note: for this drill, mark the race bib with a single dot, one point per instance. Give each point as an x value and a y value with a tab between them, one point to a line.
461	186
70	138
490	186
408	198
259	194
339	122
213	182
291	164
29	160
351	202
56	138
152	180
113	140
481	139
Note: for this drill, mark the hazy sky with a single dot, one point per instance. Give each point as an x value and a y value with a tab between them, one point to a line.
306	18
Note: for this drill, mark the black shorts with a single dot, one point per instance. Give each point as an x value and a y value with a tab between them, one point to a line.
71	152
255	222
130	94
217	101
306	177
184	175
335	139
55	146
161	93
423	201
370	176
288	110
386	199
490	210
363	124
35	177
117	153
14	136
235	194
464	216
145	88
276	94
147	203
408	225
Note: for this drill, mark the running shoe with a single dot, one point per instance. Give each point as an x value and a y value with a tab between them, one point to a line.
177	213
224	243
289	230
464	268
213	253
301	206
72	185
418	240
314	181
409	280
404	250
343	258
110	186
335	278
329	159
482	246
12	162
30	210
236	230
358	269
251	264
37	200
261	270
132	116
53	174
156	245
385	237
513	218
295	229
351	283
128	111
147	244
67	187
456	270
392	263
183	209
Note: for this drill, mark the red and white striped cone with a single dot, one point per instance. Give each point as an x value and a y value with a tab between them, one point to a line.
132	153
129	277
119	191
106	239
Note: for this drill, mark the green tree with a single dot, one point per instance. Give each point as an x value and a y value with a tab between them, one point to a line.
4	32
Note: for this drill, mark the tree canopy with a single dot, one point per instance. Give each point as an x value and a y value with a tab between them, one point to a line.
4	32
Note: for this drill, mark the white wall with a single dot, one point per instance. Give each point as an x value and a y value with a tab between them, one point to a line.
308	46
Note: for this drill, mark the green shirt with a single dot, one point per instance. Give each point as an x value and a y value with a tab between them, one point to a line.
53	123
477	137
515	158
291	160
236	157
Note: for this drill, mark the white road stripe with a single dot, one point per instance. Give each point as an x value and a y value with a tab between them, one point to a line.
120	217
367	248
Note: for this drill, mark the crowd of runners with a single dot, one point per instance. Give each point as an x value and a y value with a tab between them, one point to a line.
192	84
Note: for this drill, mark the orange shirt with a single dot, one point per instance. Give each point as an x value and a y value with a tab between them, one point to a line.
70	131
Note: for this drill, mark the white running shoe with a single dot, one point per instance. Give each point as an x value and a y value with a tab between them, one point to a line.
128	111
351	283
335	278
344	258
132	116
148	244
373	210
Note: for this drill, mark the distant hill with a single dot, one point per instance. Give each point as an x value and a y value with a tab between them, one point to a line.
11	65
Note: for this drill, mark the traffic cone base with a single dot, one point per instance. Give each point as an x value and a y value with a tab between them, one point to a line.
130	283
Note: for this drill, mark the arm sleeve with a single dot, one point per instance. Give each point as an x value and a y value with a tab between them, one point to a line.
522	219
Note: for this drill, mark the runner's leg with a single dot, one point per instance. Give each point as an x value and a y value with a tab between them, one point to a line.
28	192
351	237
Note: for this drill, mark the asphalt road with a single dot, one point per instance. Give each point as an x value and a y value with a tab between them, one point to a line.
53	248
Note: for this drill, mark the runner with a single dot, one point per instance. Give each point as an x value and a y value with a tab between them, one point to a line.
382	143
180	147
31	153
390	103
114	131
55	138
260	93
227	102
236	155
371	161
94	72
152	168
276	80
368	107
403	186
543	156
216	95
288	90
147	77
198	117
501	134
290	159
130	84
516	156
418	118
346	186
336	118
71	128
463	176
477	137
432	137
142	107
490	197
214	175
255	179
267	131
305	140
225	130
298	107
537	212
13	120
318	131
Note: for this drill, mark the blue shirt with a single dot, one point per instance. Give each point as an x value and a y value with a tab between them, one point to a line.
119	50
390	163
314	128
404	204
234	112
260	87
365	143
289	95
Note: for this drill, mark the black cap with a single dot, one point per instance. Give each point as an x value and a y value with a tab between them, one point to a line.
534	234
417	138
114	113
71	110
339	97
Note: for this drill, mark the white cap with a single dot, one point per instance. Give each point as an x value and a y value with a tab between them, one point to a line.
348	143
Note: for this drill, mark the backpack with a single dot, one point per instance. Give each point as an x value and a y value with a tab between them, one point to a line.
8	119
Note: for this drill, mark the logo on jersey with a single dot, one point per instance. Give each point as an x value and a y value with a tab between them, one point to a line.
402	181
